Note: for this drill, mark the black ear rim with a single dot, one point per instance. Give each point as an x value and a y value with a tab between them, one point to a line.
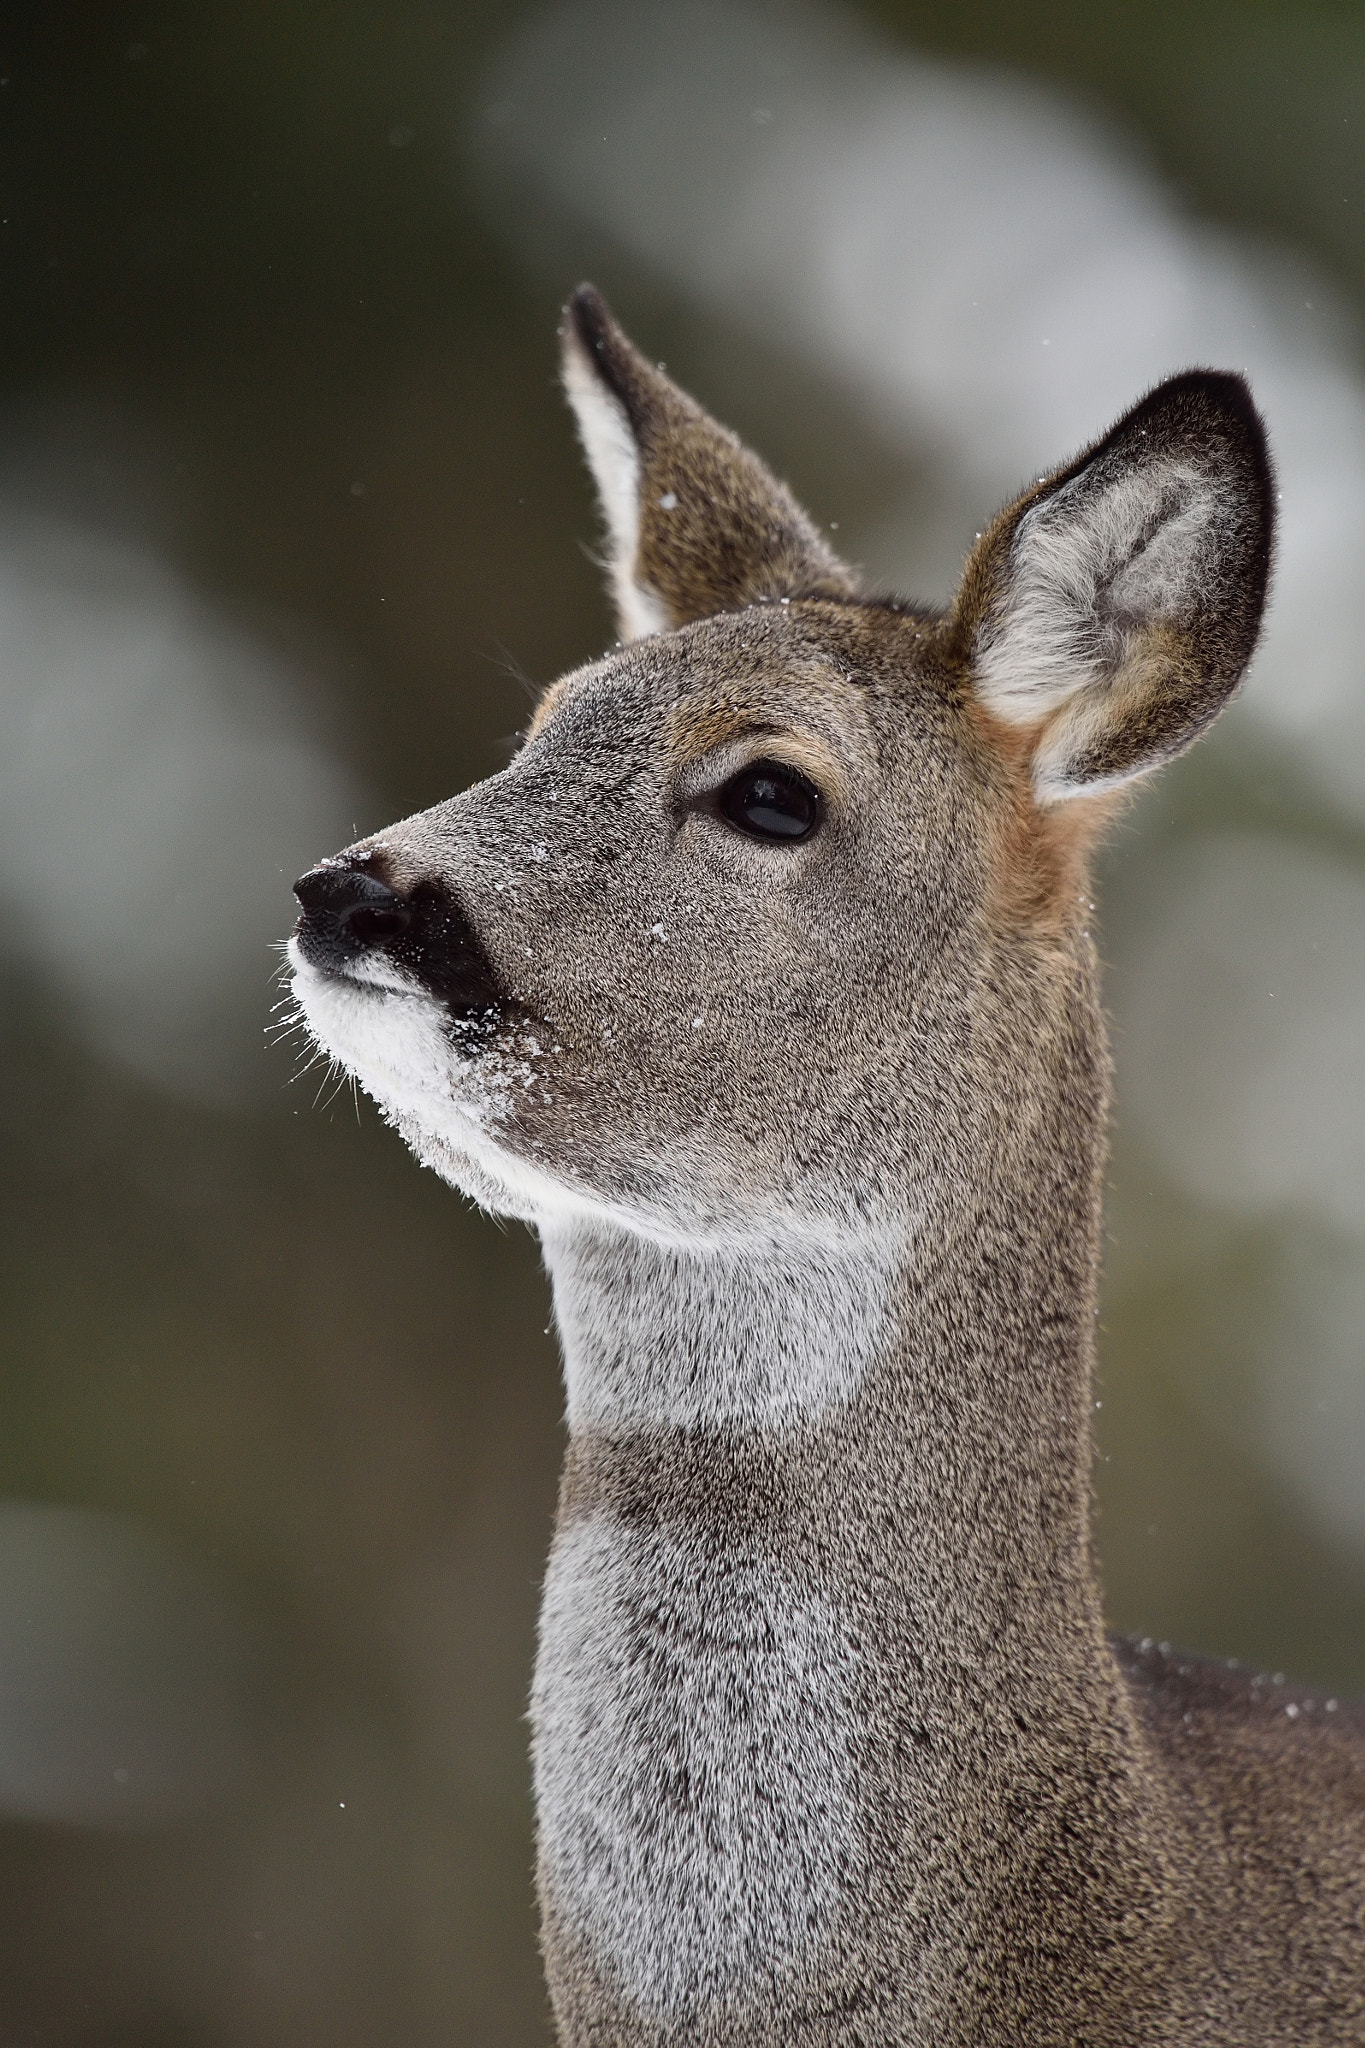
1223	398
591	322
1211	415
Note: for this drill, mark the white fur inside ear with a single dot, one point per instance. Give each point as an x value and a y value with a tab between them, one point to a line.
1086	569
614	459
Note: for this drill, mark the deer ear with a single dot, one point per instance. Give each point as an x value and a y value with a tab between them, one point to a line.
695	523
1115	606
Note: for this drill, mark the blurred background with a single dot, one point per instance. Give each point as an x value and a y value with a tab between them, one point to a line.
291	525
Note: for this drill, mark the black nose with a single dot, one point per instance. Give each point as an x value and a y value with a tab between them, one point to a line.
346	912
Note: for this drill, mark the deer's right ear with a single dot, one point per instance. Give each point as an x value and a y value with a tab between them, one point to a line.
1111	612
695	523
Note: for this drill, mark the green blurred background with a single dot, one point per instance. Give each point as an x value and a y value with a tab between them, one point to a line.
292	524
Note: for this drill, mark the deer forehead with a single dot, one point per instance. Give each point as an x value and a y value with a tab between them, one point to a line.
837	694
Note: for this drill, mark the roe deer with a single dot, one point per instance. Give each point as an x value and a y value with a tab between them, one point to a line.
762	985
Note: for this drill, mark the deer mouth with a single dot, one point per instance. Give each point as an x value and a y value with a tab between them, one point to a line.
355	929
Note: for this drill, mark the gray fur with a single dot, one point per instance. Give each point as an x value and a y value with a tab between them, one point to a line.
761	1334
696	1766
830	1745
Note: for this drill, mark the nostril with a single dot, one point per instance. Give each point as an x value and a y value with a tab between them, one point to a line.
346	912
371	926
315	888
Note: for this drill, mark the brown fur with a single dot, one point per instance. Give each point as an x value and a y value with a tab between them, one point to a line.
728	1062
1040	860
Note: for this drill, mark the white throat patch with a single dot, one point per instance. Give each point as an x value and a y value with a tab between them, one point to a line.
695	1764
756	1336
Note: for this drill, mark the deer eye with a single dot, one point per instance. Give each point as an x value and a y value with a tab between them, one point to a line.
769	801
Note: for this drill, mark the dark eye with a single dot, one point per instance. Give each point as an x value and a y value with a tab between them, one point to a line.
767	801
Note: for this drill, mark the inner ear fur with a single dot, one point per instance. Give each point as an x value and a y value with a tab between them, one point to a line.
1111	611
695	523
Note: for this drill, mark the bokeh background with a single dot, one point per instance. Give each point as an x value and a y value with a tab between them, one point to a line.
291	527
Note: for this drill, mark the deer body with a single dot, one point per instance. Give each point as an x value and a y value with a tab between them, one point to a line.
763	984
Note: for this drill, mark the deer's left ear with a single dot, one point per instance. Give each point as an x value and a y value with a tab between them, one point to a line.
1115	606
695	523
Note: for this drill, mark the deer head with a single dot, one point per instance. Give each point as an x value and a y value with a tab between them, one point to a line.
776	928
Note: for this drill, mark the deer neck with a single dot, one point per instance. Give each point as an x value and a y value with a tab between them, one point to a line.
943	1372
822	1579
757	1339
822	1583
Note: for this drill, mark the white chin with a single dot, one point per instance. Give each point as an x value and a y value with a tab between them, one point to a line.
387	1031
384	1028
